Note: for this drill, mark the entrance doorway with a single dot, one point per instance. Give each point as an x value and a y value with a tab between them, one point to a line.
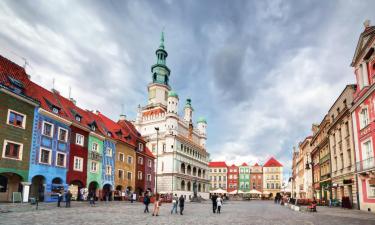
77	190
107	192
9	183
37	188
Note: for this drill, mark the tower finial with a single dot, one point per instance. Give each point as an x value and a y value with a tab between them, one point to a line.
162	39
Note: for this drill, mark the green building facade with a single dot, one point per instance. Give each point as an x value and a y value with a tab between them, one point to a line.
94	163
244	177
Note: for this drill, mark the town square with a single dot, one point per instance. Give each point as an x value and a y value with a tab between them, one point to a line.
187	112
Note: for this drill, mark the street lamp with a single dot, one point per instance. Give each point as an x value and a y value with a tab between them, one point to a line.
157	156
308	164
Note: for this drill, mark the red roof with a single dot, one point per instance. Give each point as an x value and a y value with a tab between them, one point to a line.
153	112
244	164
217	164
272	162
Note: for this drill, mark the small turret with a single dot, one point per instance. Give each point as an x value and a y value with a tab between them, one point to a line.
172	105
188	110
172	110
202	127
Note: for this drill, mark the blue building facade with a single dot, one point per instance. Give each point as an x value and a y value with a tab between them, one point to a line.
108	169
49	156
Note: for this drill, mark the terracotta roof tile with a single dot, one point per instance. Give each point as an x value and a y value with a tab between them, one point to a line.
217	164
272	162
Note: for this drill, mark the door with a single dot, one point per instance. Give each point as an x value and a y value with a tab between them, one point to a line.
350	193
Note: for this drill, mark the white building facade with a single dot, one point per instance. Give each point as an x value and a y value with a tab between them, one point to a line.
180	145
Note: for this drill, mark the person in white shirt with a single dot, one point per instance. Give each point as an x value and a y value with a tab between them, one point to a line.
219	202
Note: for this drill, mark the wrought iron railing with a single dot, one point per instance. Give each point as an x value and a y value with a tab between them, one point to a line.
95	156
365	164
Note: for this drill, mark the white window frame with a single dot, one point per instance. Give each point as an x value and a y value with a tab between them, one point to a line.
58	134
49	157
140	175
13	142
364	122
62	153
149	163
52	129
81	164
23	122
127	175
108	149
131	159
123	157
368	190
140	160
149	177
97	146
140	147
96	167
110	170
82	138
363	149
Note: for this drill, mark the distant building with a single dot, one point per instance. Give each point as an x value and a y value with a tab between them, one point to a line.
232	177
272	177
256	177
244	177
218	175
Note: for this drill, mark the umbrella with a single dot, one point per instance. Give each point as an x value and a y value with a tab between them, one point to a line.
255	192
219	191
240	192
266	193
233	192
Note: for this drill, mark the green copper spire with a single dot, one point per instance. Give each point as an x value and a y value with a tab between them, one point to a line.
162	40
160	71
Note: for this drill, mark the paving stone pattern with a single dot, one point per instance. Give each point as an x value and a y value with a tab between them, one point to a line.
254	212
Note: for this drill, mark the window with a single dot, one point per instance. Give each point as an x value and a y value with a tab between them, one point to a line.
16	119
121	157
149	163
95	147
371	190
140	160
63	134
78	118
45	156
60	159
130	159
78	163
120	174
364	120
140	147
93	127
12	150
152	94
47	129
129	175
219	170
109	152
148	177
164	147
153	147
108	170
80	139
139	175
94	166
55	110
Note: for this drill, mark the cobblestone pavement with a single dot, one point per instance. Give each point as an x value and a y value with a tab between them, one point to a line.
254	212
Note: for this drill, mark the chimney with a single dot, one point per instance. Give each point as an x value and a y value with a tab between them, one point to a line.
74	101
122	117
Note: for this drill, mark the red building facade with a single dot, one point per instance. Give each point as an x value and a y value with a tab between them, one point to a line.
256	177
363	116
232	178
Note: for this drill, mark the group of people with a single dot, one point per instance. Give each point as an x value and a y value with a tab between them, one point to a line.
68	199
178	202
157	203
217	203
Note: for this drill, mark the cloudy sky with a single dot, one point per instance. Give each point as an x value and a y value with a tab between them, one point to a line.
261	72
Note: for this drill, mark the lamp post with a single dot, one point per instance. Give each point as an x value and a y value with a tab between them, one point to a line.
157	156
308	164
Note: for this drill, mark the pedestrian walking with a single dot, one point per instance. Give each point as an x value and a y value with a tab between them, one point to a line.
92	198
214	203
181	202
219	202
174	204
156	206
146	201
68	198
59	199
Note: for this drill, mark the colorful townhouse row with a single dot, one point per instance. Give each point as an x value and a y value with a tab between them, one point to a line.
48	144
336	162
267	179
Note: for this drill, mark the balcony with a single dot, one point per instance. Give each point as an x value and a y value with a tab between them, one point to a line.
366	164
95	156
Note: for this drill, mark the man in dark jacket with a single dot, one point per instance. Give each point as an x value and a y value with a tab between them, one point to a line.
146	201
68	198
214	203
181	202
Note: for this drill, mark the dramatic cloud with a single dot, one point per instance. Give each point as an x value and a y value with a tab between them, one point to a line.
260	71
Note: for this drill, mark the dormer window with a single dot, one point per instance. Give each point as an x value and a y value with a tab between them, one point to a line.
93	127
55	110
78	118
140	147
109	134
